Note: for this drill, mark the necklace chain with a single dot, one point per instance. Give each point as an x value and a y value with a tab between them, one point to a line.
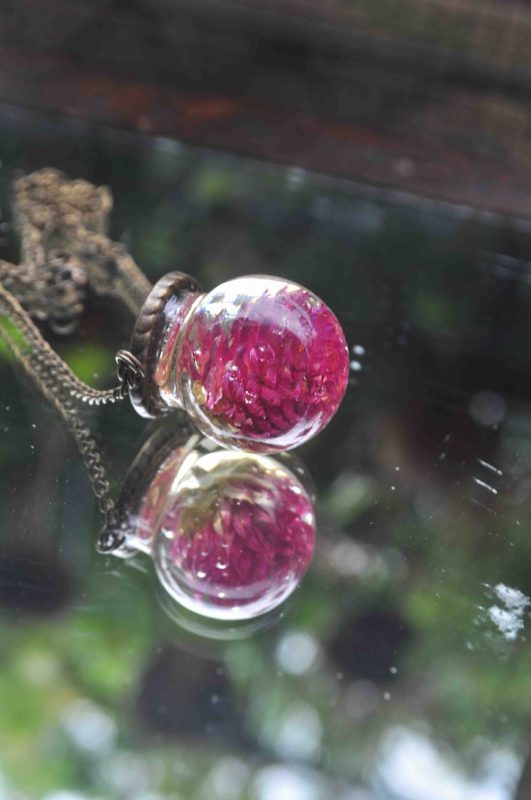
65	249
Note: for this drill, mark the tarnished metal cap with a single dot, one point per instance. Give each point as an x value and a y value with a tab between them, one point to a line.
146	339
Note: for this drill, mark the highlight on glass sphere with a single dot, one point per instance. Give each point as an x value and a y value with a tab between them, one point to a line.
259	363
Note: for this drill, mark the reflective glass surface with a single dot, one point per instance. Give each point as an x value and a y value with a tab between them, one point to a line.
401	667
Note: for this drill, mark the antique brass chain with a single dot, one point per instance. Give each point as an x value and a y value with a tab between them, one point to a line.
62	227
64	250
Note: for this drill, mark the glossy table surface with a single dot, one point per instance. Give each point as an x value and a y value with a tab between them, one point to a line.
401	667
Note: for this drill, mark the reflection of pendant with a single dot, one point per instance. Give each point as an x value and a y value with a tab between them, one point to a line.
259	363
231	534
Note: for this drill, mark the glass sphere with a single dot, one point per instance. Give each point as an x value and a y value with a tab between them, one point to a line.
259	363
236	536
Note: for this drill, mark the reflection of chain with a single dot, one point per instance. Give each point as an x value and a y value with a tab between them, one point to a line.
64	249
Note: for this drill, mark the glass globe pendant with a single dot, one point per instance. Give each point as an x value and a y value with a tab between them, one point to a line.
259	363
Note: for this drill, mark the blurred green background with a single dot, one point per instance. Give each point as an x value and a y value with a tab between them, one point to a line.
400	670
